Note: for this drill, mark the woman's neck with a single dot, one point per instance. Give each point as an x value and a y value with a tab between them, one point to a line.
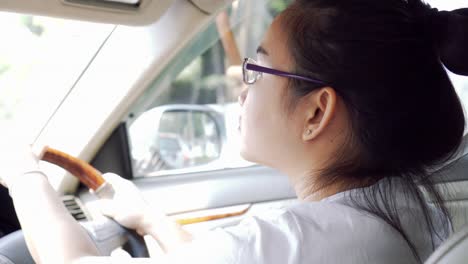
309	190
308	187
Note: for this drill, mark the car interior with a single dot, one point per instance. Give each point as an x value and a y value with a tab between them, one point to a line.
157	105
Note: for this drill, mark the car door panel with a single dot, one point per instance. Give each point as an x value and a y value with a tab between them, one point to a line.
214	189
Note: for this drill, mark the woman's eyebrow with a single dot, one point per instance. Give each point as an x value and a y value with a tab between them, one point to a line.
261	50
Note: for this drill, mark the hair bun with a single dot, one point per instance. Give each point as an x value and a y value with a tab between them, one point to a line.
449	32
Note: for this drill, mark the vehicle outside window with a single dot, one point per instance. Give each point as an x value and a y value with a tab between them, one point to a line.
175	138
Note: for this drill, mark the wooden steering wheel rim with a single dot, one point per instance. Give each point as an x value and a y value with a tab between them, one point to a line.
86	173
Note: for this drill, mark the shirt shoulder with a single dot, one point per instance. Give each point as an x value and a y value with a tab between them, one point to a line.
334	232
322	232
307	232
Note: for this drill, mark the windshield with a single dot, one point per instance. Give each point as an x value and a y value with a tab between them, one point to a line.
41	58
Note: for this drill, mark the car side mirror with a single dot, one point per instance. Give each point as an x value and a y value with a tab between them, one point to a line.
175	137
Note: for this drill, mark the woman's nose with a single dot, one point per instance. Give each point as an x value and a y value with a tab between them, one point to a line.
243	96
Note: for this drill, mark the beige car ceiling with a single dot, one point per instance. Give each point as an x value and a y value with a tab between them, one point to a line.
122	12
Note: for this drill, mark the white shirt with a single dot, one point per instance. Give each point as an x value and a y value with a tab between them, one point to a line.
328	231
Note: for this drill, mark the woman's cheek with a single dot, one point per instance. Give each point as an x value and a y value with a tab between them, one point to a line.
254	133
249	130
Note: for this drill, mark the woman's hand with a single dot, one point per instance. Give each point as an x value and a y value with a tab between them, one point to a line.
51	233
127	207
16	160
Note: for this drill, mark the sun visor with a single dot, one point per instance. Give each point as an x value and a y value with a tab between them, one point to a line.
210	6
124	12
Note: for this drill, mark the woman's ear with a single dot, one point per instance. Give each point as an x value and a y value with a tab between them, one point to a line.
321	107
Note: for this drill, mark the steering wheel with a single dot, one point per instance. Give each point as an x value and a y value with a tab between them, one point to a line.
106	234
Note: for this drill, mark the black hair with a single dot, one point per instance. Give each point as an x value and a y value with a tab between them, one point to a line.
384	59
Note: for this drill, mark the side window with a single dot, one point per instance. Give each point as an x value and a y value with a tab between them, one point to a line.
187	120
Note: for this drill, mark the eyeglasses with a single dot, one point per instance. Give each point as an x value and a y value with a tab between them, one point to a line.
252	72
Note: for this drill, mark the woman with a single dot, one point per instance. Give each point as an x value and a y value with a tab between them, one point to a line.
350	99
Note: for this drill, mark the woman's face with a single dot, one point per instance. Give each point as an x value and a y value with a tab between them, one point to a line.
268	133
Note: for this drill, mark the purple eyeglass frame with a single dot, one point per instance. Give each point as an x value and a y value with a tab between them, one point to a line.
254	67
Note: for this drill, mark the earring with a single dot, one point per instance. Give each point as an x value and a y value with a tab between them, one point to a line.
309	131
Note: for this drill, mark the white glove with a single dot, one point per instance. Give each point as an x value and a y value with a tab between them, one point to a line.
16	160
127	207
